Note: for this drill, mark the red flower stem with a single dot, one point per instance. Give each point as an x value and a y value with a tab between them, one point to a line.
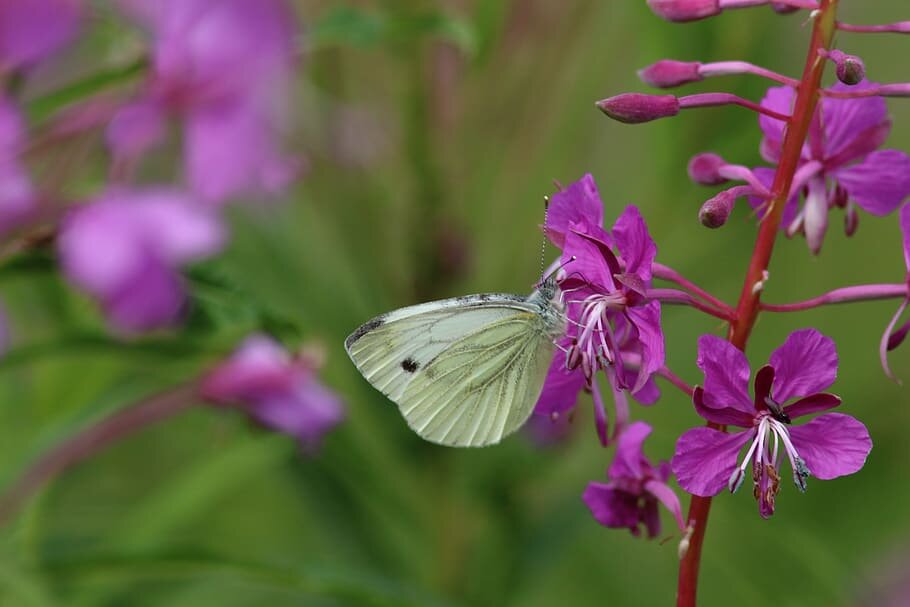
718	99
676	380
675	296
843	295
92	440
749	301
670	275
901	27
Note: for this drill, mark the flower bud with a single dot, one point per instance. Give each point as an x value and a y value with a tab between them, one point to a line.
668	73
850	69
704	169
684	10
633	108
715	212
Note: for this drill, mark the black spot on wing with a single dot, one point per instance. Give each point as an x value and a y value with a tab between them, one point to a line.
363	330
410	365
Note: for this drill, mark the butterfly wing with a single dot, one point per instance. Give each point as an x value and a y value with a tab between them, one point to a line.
464	371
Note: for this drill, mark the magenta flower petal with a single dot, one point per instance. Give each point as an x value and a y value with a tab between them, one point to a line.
779	99
307	413
135	128
905	232
635	243
610	506
726	374
648	394
705	458
832	445
725	416
651	338
588	262
31	30
880	183
847	119
152	296
668	498
815	403
560	389
805	364
627	463
260	366
579	203
601	423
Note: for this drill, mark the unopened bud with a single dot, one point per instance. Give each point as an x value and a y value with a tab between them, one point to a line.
634	108
704	169
668	73
684	10
850	69
715	212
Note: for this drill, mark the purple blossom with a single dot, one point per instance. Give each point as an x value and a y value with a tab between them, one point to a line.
278	391
827	447
224	69
840	166
612	325
893	338
17	196
31	30
636	486
125	250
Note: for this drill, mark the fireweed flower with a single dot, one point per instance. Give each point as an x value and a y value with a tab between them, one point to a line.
829	446
17	196
636	486
224	69
125	250
278	391
841	165
612	326
33	30
891	338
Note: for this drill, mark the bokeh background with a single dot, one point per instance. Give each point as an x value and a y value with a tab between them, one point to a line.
433	130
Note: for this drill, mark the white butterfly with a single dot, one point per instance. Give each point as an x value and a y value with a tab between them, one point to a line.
465	371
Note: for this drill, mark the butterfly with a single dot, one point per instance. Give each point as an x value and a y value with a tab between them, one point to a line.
466	371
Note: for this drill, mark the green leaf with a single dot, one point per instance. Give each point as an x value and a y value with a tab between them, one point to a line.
348	26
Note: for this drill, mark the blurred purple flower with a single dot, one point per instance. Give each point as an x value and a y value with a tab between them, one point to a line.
278	391
224	69
636	486
612	326
827	447
17	197
125	250
31	30
893	338
840	166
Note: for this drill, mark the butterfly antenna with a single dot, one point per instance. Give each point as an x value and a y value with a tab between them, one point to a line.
543	244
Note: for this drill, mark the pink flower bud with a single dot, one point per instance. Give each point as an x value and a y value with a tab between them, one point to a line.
715	212
633	108
704	169
850	69
668	73
684	10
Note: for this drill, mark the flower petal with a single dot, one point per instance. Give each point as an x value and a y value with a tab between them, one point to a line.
847	119
832	445
668	498
583	257
725	416
805	364
635	244
779	99
578	203
648	394
905	232
650	339
812	404
726	374
627	463
560	389
705	458
880	183
610	506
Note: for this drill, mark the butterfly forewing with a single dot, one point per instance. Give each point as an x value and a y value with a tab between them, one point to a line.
464	371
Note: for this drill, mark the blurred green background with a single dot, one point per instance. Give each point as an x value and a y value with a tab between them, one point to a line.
433	130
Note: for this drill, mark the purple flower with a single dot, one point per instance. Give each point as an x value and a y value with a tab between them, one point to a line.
31	30
827	447
125	250
280	392
17	197
636	486
224	69
612	325
840	166
893	338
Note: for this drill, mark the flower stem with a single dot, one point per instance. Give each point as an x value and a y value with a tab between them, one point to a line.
843	295
749	302
670	275
675	296
92	440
